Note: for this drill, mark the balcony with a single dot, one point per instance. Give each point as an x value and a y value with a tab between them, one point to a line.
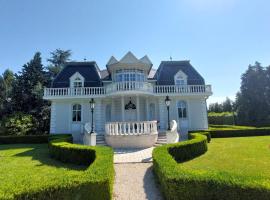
129	88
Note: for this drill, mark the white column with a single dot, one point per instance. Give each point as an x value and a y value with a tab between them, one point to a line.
147	108
123	108
138	108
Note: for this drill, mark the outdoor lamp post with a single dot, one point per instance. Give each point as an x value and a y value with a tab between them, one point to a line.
92	106
168	102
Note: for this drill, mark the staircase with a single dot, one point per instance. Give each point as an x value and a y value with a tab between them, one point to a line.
162	139
101	140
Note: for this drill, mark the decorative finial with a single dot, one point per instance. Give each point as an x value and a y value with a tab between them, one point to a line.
84	59
170	58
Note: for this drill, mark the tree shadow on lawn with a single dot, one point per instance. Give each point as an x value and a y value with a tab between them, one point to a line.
40	152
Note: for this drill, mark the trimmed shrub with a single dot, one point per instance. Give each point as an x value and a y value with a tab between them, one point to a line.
95	182
219	133
181	183
25	139
207	134
192	148
19	124
221	118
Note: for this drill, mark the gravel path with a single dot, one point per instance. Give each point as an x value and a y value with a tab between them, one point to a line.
135	181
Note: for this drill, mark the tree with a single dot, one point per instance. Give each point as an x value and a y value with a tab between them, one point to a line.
251	102
57	60
6	84
227	105
27	92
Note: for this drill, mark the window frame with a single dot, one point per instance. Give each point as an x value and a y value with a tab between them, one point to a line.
78	113
182	109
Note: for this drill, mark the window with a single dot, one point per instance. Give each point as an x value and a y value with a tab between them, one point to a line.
76	113
182	109
129	75
180	78
77	82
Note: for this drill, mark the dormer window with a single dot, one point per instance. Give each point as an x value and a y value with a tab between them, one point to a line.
76	80
77	83
180	78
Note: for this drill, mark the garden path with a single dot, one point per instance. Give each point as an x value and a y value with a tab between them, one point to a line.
135	181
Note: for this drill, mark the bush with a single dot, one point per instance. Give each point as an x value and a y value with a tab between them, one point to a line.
192	148
222	133
27	139
207	134
221	118
180	183
19	124
97	182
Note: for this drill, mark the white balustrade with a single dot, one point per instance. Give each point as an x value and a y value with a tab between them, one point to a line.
80	91
131	128
127	86
161	89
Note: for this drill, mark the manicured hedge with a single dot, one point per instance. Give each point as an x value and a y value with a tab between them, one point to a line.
227	118
207	134
219	133
95	183
27	139
181	183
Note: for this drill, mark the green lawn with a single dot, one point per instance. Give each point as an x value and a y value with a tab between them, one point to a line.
24	167
244	159
229	127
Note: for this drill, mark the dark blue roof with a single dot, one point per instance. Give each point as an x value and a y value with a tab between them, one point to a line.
89	70
167	70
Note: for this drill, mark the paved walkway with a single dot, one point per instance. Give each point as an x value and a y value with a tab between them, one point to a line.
133	155
135	181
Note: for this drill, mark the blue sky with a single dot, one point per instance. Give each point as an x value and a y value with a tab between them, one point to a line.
220	37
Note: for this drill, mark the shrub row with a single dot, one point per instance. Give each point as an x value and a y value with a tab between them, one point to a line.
95	182
28	139
180	183
219	133
227	118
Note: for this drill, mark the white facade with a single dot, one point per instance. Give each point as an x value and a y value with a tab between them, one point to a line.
129	86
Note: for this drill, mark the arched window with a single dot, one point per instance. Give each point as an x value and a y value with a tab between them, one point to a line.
108	113
76	113
152	111
182	109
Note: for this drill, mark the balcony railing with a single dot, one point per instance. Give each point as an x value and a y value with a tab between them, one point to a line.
131	128
83	91
185	89
129	87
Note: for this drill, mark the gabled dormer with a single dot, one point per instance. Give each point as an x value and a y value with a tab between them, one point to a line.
76	80
129	68
180	78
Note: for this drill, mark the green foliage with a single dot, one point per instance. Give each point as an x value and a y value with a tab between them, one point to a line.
252	102
26	139
57	60
238	131
226	118
225	106
210	177
19	124
51	179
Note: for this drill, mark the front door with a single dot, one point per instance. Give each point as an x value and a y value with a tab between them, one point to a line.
182	117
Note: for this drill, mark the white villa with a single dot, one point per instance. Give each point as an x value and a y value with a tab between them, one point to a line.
129	99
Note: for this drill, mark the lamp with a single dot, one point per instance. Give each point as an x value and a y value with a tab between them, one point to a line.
168	102
92	106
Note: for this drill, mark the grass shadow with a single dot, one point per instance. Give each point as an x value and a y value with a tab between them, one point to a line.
40	152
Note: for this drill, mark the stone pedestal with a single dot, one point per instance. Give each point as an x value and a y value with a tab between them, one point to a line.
90	139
